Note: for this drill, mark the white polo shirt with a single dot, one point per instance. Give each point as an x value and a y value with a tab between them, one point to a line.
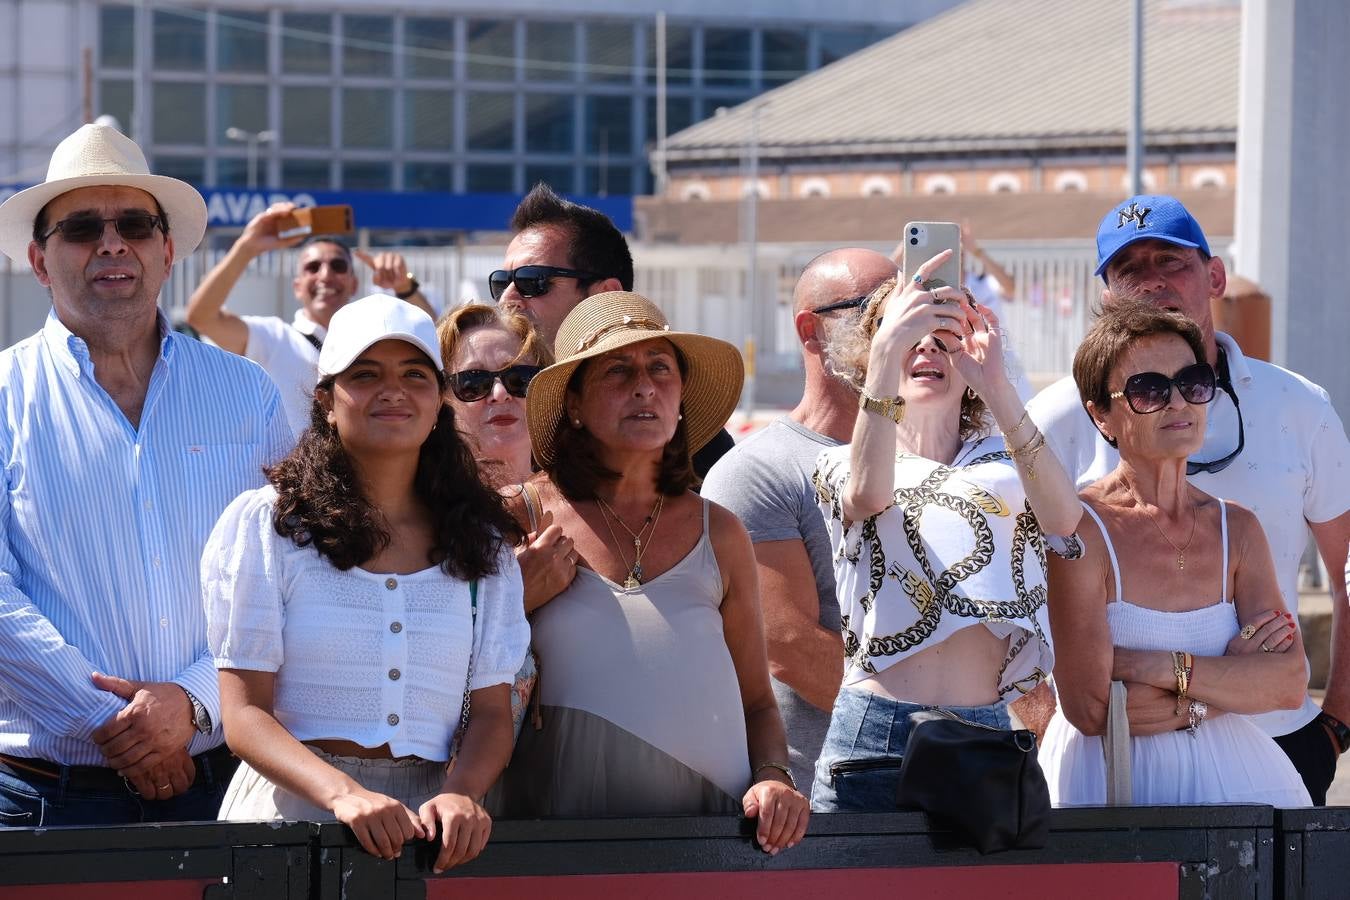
284	351
1294	469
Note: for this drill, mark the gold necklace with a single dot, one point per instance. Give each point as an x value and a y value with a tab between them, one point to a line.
1181	551
634	578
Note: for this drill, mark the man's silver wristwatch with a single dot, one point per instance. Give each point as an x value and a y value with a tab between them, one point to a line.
201	719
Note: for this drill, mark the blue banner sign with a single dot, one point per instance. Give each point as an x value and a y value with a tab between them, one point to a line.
387	210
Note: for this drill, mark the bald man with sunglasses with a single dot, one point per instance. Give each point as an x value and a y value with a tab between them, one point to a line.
325	280
1273	443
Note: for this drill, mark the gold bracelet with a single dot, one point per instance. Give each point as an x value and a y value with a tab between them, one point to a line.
1183	678
1031	449
1020	422
892	408
780	767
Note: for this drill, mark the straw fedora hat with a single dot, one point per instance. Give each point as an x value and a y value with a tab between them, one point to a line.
93	156
608	321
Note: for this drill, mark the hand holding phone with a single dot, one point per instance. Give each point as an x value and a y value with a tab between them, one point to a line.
311	220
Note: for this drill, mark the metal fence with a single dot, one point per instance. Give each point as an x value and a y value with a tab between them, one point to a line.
701	288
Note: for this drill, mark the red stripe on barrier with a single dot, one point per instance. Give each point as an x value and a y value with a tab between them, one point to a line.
1101	881
186	889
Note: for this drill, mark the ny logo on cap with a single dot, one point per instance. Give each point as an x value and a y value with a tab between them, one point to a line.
1133	213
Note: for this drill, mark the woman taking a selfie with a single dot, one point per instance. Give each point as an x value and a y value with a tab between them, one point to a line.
936	523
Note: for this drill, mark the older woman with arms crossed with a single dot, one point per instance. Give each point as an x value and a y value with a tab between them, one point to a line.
656	694
937	524
1175	593
364	609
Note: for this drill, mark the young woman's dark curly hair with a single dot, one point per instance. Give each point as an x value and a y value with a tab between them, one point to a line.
319	501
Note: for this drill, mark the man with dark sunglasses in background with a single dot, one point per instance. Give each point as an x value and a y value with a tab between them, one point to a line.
325	280
562	253
121	442
1273	442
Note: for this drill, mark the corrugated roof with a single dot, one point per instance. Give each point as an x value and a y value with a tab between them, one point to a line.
1001	74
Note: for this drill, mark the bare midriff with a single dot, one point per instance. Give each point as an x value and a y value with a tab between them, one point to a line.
960	671
334	747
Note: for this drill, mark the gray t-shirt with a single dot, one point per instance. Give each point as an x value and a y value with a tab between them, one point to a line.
766	482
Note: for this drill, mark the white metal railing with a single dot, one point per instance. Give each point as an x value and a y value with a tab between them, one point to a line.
701	288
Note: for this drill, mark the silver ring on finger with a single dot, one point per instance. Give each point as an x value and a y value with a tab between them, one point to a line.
1267	649
936	299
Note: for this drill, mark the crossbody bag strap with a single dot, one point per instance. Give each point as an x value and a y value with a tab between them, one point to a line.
458	740
533	508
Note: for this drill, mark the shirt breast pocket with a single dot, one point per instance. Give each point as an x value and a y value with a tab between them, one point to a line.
214	474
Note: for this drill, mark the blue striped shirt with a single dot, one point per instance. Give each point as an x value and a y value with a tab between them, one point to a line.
104	525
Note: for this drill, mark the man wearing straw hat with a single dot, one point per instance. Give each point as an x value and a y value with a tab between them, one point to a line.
121	442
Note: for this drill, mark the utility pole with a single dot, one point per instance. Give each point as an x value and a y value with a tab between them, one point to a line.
1134	149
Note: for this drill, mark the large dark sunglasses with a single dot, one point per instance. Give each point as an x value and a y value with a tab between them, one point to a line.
472	385
1216	466
338	265
1149	392
850	303
533	281
84	229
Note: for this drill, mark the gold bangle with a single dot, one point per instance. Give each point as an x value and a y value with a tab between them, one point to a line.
1020	422
780	767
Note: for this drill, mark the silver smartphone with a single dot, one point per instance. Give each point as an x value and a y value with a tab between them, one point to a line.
925	240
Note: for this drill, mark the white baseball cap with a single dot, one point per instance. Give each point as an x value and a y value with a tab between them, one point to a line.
379	317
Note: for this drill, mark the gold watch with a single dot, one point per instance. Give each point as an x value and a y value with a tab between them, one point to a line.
892	408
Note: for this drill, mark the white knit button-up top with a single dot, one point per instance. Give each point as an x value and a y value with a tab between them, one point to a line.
358	656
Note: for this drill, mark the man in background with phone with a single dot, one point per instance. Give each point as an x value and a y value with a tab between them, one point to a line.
1273	443
325	279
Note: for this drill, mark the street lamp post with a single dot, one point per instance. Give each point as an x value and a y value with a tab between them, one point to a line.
252	139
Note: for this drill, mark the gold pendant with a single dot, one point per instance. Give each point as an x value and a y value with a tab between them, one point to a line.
631	582
1181	561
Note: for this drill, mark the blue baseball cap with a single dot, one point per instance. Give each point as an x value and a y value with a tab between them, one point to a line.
1147	217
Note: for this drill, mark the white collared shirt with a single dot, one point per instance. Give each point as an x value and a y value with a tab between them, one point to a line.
103	526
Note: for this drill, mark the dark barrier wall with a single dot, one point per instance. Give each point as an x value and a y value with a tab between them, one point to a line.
1099	854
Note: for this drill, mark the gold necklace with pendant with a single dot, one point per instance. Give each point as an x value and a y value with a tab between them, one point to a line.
1181	551
634	578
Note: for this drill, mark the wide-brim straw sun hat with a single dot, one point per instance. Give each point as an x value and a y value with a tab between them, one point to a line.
608	321
94	156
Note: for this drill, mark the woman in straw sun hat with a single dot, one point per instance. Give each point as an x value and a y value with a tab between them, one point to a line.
654	688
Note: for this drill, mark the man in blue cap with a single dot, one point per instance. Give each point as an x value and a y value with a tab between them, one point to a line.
1273	442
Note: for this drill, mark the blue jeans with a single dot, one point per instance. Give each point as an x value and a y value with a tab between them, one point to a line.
81	797
859	765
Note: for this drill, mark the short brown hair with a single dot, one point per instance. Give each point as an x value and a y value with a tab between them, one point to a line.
456	324
1118	326
577	470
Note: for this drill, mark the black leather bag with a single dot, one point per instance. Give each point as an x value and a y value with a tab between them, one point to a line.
983	782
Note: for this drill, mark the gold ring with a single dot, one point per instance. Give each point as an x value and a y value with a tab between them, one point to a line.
164	787
1247	632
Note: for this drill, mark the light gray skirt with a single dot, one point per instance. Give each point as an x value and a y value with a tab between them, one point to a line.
251	797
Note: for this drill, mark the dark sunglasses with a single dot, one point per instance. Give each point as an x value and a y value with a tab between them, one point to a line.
338	264
1214	467
472	385
533	281
83	229
1149	392
851	303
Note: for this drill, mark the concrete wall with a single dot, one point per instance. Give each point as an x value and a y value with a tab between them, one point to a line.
1293	197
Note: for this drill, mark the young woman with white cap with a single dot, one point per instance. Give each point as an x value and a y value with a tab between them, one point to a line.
364	609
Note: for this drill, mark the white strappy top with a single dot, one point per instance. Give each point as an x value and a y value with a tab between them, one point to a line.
1204	631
